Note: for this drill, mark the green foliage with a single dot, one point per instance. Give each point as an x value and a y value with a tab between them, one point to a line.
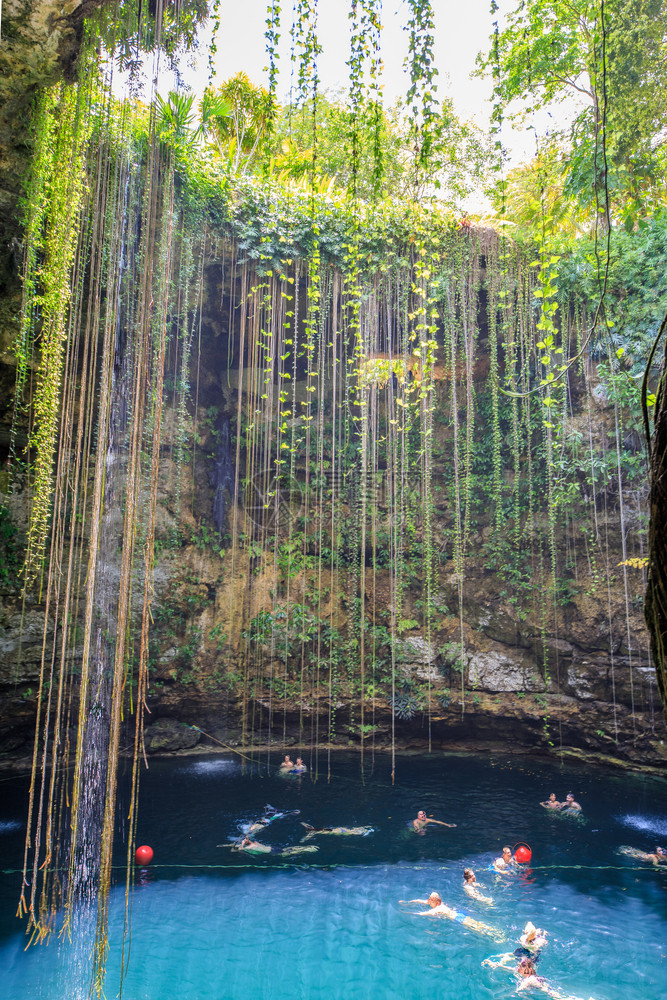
237	120
549	50
288	629
404	706
132	27
55	196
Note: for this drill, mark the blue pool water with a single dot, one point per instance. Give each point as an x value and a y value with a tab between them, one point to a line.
211	924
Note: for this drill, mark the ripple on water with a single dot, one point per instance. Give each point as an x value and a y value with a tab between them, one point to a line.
211	768
647	824
8	825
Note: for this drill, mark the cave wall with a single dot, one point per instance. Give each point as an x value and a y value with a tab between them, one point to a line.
585	682
578	680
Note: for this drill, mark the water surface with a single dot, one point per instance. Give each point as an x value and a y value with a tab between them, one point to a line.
211	924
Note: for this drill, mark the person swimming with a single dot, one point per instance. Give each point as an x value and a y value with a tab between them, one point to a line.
505	864
525	970
439	909
471	886
287	764
422	821
335	831
570	806
526	975
299	767
254	847
552	802
531	943
657	857
270	815
533	938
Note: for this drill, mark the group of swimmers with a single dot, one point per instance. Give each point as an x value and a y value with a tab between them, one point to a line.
271	814
571	808
523	958
568	806
289	767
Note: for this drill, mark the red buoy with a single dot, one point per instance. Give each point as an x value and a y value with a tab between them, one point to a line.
523	854
143	855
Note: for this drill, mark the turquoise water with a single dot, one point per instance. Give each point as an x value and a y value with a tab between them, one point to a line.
209	924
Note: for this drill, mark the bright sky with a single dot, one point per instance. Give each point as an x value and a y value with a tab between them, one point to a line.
462	29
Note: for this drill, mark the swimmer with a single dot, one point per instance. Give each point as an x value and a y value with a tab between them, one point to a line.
533	938
254	847
439	909
531	942
526	972
287	764
471	886
570	804
422	821
336	831
657	857
299	767
506	863
270	815
552	802
527	976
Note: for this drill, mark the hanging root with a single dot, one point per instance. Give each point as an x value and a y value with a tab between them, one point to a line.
656	591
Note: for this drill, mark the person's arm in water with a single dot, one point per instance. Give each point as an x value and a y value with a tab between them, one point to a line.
500	961
440	822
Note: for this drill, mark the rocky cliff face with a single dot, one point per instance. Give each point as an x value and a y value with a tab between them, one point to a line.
500	675
546	672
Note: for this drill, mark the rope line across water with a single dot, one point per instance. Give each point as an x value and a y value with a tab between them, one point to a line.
333	864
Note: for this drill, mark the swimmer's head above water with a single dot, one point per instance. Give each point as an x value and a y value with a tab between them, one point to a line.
526	967
469	876
434	899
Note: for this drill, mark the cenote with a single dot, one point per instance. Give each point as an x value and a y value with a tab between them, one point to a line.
209	923
325	430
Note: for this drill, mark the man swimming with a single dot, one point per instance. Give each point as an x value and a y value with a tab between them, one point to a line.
439	909
335	831
570	804
506	863
423	820
287	764
552	802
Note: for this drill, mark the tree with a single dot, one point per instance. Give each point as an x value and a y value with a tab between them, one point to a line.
383	137
238	119
535	191
612	58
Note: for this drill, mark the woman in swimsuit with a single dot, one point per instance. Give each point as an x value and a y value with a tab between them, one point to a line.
471	886
526	971
533	938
